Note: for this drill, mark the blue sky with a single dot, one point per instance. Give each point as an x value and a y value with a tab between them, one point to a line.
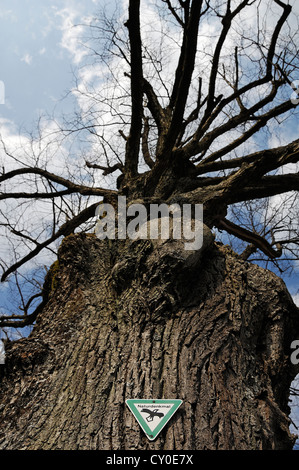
38	53
40	50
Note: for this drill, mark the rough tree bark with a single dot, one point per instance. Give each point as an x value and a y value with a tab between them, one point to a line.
146	319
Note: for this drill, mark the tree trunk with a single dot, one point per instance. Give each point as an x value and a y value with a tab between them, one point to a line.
146	319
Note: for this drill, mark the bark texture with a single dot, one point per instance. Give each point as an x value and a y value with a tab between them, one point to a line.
144	319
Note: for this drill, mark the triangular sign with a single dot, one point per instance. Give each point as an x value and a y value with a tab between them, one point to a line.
152	415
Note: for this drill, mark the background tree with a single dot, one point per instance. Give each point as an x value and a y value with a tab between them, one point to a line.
188	96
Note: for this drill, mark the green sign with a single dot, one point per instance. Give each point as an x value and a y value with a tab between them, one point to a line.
153	415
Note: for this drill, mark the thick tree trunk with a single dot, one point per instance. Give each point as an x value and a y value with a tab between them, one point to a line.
142	319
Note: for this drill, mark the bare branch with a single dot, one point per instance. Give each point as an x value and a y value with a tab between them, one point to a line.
106	170
271	51
21	321
267	186
250	237
183	76
66	229
174	12
213	109
226	22
195	147
133	142
153	104
275	159
72	187
145	149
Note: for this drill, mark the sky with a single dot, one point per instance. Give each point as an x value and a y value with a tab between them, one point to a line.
40	49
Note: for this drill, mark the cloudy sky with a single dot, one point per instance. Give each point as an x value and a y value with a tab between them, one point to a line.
39	49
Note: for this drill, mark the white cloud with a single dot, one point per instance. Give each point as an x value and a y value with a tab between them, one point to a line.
72	34
9	15
296	299
33	216
27	58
